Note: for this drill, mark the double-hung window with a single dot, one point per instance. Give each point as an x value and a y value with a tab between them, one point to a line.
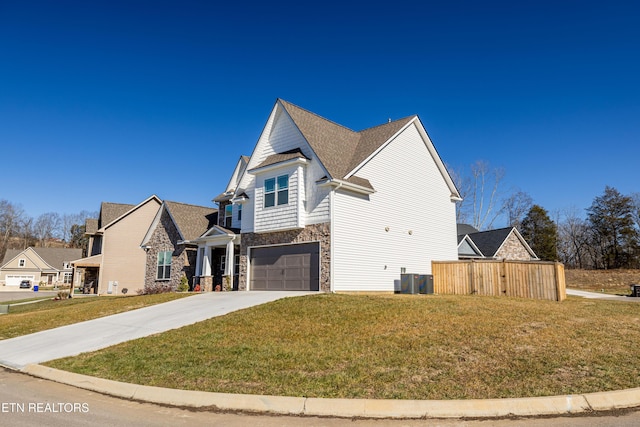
228	215
276	191
164	265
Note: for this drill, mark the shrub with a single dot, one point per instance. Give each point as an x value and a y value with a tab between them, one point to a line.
184	284
156	288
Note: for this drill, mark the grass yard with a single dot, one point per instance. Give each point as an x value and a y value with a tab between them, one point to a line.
393	346
49	314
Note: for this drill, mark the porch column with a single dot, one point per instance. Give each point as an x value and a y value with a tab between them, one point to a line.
228	267
206	262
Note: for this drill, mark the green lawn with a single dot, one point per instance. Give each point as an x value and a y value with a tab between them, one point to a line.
39	316
394	346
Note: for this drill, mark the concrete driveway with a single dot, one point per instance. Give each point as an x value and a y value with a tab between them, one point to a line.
95	334
596	295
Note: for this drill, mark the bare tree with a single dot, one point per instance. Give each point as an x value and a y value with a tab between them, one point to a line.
10	215
26	232
46	227
573	240
516	207
484	195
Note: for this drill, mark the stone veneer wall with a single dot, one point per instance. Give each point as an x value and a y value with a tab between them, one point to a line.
165	238
513	250
311	233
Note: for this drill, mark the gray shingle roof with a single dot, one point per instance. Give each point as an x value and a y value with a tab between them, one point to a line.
55	257
91	225
282	157
490	241
340	149
465	229
111	211
192	220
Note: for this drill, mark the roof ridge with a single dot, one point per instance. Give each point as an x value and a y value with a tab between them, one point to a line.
388	123
190	204
315	114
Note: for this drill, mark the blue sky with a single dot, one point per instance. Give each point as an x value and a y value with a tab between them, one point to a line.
115	101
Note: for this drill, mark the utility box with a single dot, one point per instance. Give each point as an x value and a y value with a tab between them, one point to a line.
635	291
425	283
409	283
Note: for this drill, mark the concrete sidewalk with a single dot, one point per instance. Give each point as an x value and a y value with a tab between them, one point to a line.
104	332
349	408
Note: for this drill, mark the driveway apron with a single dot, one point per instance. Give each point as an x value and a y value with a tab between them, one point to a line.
95	334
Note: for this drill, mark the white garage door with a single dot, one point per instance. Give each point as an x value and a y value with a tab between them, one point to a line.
14	280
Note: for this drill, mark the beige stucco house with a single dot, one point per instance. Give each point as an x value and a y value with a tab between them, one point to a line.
115	259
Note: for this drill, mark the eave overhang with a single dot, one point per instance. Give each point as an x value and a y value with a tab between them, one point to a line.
341	184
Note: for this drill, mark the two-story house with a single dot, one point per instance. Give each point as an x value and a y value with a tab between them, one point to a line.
115	260
318	206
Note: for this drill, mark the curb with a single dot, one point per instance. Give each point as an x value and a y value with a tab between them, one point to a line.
348	408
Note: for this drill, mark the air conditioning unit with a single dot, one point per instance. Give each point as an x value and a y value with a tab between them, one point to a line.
409	283
425	283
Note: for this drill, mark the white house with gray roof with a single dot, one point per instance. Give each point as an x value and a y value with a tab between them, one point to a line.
318	206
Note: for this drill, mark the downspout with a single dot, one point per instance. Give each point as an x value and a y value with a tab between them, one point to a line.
332	232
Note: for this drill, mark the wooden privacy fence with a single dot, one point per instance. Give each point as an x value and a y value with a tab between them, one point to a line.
523	279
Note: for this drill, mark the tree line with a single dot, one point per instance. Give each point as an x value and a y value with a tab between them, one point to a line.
20	231
606	237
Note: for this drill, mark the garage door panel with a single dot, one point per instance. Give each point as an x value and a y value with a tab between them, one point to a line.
15	279
287	267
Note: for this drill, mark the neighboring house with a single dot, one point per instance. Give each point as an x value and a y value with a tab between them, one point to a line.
503	243
318	206
168	257
47	266
115	260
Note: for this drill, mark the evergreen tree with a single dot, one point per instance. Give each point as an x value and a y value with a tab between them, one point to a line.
541	233
615	237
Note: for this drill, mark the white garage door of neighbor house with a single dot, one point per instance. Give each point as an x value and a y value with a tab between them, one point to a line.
14	280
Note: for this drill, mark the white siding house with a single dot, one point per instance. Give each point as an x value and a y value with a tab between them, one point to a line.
330	209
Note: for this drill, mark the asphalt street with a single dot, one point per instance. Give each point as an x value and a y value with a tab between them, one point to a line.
26	401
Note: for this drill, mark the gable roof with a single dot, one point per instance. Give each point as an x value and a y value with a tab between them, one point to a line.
53	257
123	210
109	212
339	148
238	171
192	221
489	242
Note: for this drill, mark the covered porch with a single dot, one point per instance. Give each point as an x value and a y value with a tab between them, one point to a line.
218	261
87	274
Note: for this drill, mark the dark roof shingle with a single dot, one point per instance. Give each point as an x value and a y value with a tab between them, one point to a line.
192	221
340	149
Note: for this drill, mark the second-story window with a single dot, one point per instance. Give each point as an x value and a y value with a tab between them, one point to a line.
21	263
239	212
228	215
276	191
